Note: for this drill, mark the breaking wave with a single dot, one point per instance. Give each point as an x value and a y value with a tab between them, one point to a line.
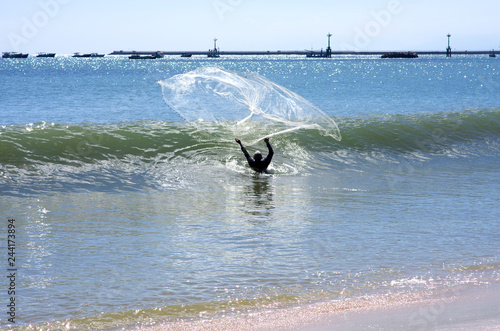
119	154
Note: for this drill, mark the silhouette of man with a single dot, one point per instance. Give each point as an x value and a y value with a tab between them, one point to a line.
257	163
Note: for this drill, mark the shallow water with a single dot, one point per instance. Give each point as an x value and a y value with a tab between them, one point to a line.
125	214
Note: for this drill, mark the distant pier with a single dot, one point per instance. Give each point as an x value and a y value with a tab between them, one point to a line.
215	52
304	53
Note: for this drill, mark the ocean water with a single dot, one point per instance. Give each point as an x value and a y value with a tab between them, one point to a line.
126	215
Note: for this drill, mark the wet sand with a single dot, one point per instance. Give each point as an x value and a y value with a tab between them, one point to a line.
470	308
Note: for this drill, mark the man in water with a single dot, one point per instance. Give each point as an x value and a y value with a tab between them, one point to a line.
257	163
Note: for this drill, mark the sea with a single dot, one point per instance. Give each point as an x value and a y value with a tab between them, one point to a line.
118	213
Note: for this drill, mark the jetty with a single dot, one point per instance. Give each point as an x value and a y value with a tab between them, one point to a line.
292	52
328	53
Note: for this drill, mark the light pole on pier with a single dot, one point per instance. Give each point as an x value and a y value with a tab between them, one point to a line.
448	50
329	50
214	52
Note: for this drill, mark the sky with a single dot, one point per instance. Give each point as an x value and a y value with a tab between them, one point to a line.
68	26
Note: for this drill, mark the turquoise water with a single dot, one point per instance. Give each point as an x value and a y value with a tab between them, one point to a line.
127	215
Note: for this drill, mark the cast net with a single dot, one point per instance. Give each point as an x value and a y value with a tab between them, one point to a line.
246	102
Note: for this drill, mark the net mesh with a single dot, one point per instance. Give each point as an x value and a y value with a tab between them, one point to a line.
242	101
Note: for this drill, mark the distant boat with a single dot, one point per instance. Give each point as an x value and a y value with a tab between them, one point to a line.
88	55
155	55
186	55
213	53
12	55
400	55
46	55
492	54
317	54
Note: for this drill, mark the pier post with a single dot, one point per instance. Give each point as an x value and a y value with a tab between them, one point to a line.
448	50
215	51
329	50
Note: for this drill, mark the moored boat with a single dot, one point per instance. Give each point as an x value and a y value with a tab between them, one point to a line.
88	55
316	54
46	54
400	55
13	55
155	55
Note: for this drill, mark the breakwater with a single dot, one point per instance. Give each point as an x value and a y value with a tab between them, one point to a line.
292	52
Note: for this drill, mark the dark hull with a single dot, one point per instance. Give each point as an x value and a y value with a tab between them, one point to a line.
46	55
14	56
157	55
88	55
400	55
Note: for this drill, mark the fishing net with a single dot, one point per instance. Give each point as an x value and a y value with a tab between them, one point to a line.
243	101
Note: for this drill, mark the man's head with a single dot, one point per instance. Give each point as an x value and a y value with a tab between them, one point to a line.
257	156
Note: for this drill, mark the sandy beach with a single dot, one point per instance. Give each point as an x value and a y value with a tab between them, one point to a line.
471	308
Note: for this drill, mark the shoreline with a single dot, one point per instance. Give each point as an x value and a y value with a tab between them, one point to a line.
469	308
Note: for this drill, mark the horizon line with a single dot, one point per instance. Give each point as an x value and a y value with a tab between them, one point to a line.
288	52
